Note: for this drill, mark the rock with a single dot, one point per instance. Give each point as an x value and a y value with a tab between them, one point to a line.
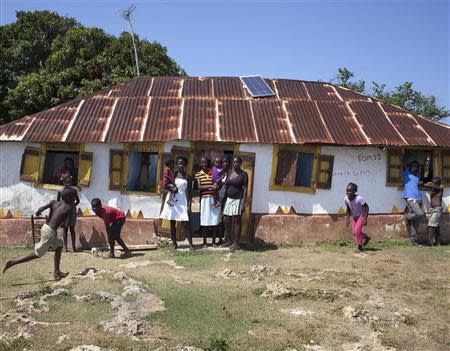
134	265
264	269
277	291
298	312
226	273
187	348
369	341
130	285
87	348
62	338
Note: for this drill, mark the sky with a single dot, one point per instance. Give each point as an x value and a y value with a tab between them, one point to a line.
385	41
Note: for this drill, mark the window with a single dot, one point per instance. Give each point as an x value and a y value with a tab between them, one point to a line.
445	172
142	168
45	165
135	169
58	162
398	159
300	168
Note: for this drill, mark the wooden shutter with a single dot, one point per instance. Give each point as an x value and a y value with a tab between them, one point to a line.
324	171
445	156
85	169
394	169
286	168
29	169
116	158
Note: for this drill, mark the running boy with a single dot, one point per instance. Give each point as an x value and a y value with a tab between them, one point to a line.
168	181
59	212
436	210
66	179
358	209
114	220
217	175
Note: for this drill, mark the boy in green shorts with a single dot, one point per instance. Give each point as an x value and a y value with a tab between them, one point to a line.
59	214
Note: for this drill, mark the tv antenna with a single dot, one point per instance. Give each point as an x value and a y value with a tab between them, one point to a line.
126	15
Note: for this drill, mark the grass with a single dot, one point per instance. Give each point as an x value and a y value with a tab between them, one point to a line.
230	314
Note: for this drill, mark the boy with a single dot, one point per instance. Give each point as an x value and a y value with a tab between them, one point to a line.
217	177
114	220
436	210
66	179
168	181
59	212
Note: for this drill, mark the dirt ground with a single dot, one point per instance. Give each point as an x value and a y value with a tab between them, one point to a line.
393	297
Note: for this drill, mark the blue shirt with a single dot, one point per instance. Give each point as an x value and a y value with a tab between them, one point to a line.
411	186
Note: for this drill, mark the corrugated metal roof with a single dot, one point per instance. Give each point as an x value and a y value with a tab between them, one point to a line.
375	123
307	123
87	128
163	119
199	120
220	109
127	119
341	123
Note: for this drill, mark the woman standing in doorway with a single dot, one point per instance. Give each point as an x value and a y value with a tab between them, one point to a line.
209	214
236	183
179	210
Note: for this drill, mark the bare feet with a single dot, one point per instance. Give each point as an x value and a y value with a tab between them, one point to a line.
110	255
366	240
8	265
235	247
192	249
59	275
66	250
205	246
126	254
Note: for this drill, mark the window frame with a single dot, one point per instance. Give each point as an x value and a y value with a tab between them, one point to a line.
437	164
153	147
44	148
311	149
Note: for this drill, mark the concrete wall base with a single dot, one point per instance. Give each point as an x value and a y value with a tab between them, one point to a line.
90	232
297	230
278	229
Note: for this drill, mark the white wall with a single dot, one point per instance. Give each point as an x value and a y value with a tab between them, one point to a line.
351	164
365	166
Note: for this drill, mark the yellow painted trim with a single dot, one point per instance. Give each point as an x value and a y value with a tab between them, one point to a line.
394	209
298	148
341	211
50	186
70	147
86	212
2	213
134	214
17	214
199	145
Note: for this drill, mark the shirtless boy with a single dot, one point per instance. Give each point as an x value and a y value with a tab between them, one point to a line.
59	213
436	210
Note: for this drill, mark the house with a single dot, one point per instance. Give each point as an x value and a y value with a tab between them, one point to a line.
301	146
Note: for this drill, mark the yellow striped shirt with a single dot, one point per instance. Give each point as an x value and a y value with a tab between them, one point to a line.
204	179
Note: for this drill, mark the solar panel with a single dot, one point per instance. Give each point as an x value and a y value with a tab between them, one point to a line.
257	86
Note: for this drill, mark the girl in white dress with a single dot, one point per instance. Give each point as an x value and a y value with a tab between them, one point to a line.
179	211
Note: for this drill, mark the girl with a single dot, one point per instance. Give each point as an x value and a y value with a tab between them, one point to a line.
359	210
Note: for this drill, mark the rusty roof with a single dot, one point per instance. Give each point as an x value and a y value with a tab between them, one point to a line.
220	109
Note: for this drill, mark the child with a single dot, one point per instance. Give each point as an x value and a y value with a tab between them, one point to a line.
66	180
217	176
114	220
168	181
436	210
59	212
359	210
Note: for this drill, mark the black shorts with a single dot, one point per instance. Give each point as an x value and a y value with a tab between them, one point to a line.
116	228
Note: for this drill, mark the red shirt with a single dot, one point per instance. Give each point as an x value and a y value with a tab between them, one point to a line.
110	214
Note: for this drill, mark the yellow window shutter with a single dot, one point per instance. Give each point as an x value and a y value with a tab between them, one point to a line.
394	169
85	169
325	171
29	169
445	157
115	169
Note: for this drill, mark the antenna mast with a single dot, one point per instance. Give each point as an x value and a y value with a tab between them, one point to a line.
126	15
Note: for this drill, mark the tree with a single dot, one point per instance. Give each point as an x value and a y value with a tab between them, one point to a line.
47	59
404	95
